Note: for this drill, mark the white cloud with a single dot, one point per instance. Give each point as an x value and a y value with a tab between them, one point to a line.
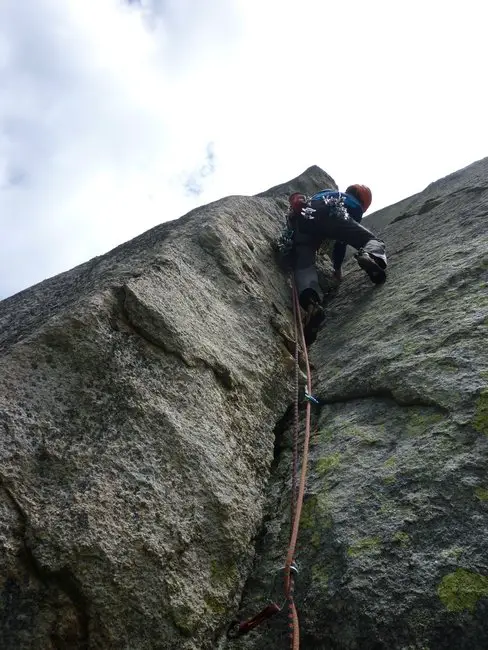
194	181
108	109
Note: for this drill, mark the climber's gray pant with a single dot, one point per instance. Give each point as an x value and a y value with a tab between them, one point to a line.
311	233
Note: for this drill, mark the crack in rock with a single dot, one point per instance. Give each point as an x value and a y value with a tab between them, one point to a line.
62	579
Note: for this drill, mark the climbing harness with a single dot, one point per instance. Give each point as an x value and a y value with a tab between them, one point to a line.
290	569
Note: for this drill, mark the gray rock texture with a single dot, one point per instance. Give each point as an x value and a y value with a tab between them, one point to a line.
394	536
139	394
145	447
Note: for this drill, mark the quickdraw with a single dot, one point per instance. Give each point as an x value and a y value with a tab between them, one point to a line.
336	207
311	398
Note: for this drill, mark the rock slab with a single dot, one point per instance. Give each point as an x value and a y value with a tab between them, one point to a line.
393	546
145	439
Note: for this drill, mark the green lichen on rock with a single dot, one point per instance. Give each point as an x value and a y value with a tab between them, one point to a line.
388	480
365	545
185	619
320	578
391	462
363	435
462	589
453	553
388	508
480	421
481	493
315	539
325	433
223	573
215	605
325	464
309	513
308	519
421	422
315	517
402	538
409	348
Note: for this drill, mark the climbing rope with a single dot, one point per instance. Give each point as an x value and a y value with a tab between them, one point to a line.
295	523
296	421
297	494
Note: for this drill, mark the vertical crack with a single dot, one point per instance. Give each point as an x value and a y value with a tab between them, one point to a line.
62	579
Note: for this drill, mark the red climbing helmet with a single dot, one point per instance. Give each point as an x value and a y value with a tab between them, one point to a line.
297	201
362	193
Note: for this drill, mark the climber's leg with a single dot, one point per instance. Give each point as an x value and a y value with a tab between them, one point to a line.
307	284
306	278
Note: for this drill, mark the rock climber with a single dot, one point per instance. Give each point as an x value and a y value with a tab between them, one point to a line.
330	215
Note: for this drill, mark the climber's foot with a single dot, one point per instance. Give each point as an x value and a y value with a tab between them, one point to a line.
314	317
372	266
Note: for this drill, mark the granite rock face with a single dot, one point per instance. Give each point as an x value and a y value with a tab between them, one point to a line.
393	548
145	446
138	399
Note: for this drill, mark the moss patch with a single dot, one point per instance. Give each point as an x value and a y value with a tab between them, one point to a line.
481	493
391	462
480	421
462	589
324	465
365	545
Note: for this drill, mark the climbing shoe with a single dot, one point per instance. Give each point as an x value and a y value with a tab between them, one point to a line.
314	317
307	297
373	266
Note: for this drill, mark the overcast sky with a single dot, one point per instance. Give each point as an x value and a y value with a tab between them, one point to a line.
115	116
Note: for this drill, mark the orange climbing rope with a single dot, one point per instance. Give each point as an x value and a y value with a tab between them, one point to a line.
297	494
